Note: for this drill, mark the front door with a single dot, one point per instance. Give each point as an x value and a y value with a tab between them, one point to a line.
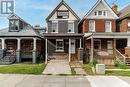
60	45
72	46
110	47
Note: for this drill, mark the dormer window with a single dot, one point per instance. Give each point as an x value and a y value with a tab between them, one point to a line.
14	25
63	14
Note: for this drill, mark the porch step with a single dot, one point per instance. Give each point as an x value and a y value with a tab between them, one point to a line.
128	61
59	56
7	60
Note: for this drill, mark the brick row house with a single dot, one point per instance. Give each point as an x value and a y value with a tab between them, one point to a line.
105	33
102	34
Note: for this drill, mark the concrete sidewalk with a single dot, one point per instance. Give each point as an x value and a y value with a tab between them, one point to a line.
56	67
107	81
62	81
43	81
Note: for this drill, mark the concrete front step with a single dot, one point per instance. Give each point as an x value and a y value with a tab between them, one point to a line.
59	56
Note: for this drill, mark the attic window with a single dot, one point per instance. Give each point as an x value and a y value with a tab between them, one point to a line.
14	25
100	13
63	14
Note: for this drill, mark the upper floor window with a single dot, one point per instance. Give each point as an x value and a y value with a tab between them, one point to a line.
55	26
63	14
100	13
92	26
129	24
14	25
108	26
70	26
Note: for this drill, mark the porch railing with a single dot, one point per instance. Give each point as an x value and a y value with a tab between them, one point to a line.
121	57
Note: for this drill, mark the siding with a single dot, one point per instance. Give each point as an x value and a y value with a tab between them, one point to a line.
63	26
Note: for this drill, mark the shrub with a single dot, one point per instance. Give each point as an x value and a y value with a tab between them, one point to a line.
93	63
119	64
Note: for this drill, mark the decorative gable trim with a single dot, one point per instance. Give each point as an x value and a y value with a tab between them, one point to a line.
97	3
60	4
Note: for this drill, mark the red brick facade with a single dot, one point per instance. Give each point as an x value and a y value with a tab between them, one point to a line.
123	25
99	25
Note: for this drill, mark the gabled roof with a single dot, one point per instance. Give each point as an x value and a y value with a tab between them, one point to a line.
97	3
14	16
60	4
125	12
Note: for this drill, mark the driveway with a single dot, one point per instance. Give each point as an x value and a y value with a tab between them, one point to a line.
56	67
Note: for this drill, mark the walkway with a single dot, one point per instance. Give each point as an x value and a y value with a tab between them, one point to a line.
55	67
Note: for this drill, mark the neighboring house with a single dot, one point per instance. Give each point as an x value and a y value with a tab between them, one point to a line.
101	39
20	41
123	23
62	37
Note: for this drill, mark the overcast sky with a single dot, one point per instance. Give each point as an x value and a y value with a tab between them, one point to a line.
36	11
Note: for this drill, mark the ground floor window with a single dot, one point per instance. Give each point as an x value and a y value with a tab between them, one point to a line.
59	45
97	44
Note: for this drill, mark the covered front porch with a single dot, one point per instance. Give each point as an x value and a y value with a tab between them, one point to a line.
24	49
105	47
63	47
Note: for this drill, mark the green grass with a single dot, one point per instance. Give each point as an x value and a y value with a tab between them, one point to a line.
23	69
118	72
88	69
73	71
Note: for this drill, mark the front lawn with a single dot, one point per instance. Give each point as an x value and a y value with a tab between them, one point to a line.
23	69
118	72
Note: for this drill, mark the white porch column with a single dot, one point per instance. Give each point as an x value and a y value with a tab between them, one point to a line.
80	43
92	49
34	49
46	51
128	42
69	50
18	42
18	50
3	43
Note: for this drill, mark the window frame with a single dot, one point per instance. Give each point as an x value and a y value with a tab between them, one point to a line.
72	30
14	24
60	47
100	46
110	29
56	30
93	25
58	16
102	13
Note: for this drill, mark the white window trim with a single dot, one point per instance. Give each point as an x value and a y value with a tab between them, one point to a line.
56	45
94	26
73	26
57	26
97	12
99	41
110	30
